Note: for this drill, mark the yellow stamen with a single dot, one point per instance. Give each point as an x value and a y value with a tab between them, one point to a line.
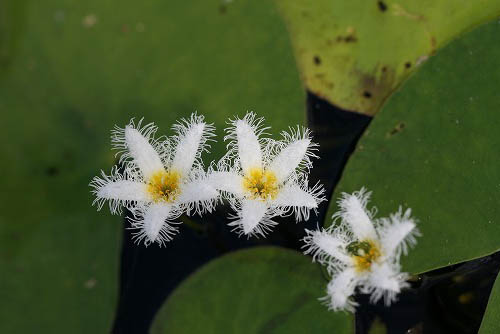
164	186
261	184
364	254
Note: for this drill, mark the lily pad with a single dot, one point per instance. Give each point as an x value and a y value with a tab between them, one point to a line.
491	319
434	148
257	290
71	70
356	53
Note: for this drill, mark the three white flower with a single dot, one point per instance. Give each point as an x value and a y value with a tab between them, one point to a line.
163	178
261	178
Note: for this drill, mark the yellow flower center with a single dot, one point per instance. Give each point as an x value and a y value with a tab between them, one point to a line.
261	184
164	186
364	254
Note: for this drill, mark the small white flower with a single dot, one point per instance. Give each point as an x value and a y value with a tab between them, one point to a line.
263	178
363	252
161	179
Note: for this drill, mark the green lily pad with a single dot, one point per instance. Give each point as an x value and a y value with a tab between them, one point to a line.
491	318
257	290
434	148
71	70
356	53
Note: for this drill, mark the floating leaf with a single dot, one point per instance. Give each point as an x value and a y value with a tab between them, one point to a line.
491	319
434	148
355	53
257	290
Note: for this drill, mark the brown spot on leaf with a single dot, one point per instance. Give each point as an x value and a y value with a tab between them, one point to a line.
222	9
317	60
407	64
349	37
397	129
382	6
327	84
367	94
378	84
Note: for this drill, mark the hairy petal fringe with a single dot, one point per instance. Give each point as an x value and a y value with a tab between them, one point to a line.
339	291
293	154
113	188
252	218
137	147
245	142
198	196
299	199
154	223
191	141
353	212
398	233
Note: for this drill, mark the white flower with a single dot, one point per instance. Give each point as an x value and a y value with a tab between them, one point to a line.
161	179
363	252
263	178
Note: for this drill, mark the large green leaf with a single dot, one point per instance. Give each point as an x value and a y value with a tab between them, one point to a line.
491	319
434	148
355	53
69	71
257	290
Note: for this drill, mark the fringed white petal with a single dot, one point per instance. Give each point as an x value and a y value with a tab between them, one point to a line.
293	154
398	233
298	199
138	143
353	212
252	218
288	159
121	190
245	136
198	196
228	182
327	248
293	195
340	289
124	191
190	142
384	281
154	224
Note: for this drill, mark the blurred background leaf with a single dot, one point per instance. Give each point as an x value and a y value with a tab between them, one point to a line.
355	53
70	71
434	148
257	290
